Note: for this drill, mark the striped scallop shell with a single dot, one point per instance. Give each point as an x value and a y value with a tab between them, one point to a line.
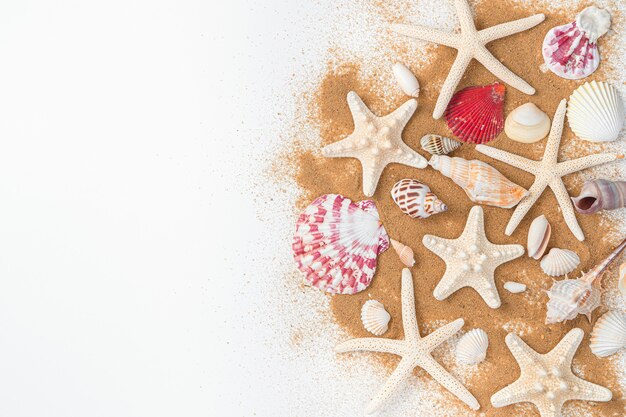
472	348
559	262
415	199
439	145
374	317
609	334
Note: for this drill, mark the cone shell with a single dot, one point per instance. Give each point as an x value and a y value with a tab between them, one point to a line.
482	183
337	242
406	80
595	112
559	262
609	334
621	279
599	195
514	287
569	298
475	114
374	317
415	199
404	253
538	237
472	348
527	124
439	145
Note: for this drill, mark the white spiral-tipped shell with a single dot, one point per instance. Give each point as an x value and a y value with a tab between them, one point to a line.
472	348
596	112
406	80
609	334
570	297
405	253
559	262
538	237
514	287
439	145
374	317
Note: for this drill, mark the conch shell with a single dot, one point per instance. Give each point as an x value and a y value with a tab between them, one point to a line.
482	183
404	253
599	195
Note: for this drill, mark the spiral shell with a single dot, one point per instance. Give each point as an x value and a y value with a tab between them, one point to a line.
609	334
374	317
599	195
538	237
439	145
559	262
404	253
472	348
595	112
415	199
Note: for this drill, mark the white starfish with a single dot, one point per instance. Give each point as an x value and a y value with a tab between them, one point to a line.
414	350
471	260
376	141
470	43
547	380
548	172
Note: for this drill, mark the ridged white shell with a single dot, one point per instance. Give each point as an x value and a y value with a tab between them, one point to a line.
472	348
596	112
538	237
374	317
571	297
527	124
609	334
559	262
406	80
514	287
621	279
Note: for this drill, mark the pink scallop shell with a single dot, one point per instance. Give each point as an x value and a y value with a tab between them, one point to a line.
568	52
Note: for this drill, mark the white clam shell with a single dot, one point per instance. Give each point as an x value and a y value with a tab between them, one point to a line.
595	112
594	22
609	334
538	237
621	280
374	317
406	80
559	262
472	348
514	287
527	124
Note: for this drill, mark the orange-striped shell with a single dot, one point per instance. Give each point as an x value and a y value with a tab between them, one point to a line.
415	199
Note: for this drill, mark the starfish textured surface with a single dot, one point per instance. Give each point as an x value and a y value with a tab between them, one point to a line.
414	350
471	260
470	43
376	141
547	380
548	172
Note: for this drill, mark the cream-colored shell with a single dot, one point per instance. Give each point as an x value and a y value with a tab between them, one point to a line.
514	287
609	334
472	348
527	124
538	237
596	112
594	22
404	252
559	262
621	279
406	80
374	317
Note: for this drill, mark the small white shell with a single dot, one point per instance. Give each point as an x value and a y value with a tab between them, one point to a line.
472	348
514	287
559	262
621	279
595	112
406	80
538	237
374	317
527	124
609	334
594	22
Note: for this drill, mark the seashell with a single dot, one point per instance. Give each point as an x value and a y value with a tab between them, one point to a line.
621	279
337	242
439	145
475	114
527	124
571	297
374	317
599	195
482	183
559	262
570	51
595	112
609	334
514	287
404	253
415	199
538	237
406	80
472	348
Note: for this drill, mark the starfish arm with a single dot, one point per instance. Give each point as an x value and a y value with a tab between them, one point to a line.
500	70
575	165
509	252
517	161
509	28
566	349
522	353
372	170
442	376
341	149
409	320
410	157
359	110
402	114
589	391
562	197
404	369
371	344
524	206
551	152
511	394
466	19
428	34
475	223
442	334
547	409
448	285
457	70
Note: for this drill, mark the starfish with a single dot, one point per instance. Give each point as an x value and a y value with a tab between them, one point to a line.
414	350
376	141
548	172
470	43
547	380
471	260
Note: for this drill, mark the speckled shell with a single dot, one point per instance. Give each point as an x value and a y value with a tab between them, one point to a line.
415	199
599	195
482	183
609	334
559	262
374	317
404	253
406	80
439	145
337	242
472	348
538	237
595	112
527	124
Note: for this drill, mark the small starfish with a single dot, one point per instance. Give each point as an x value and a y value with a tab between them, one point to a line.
471	260
548	172
470	43
376	141
547	380
414	350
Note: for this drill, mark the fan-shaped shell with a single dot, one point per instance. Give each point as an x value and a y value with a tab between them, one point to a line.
439	145
538	237
595	112
599	195
559	262
415	199
404	253
571	297
337	242
527	124
482	183
472	348
475	114
406	80
609	334
374	317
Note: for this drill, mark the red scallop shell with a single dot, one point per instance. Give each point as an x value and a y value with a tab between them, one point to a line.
475	114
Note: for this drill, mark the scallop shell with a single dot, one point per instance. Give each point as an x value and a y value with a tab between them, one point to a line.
621	279
514	287
415	199
527	124
599	195
475	114
439	145
406	80
337	242
595	112
559	262
482	183
472	348
609	334
374	317
538	237
404	253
